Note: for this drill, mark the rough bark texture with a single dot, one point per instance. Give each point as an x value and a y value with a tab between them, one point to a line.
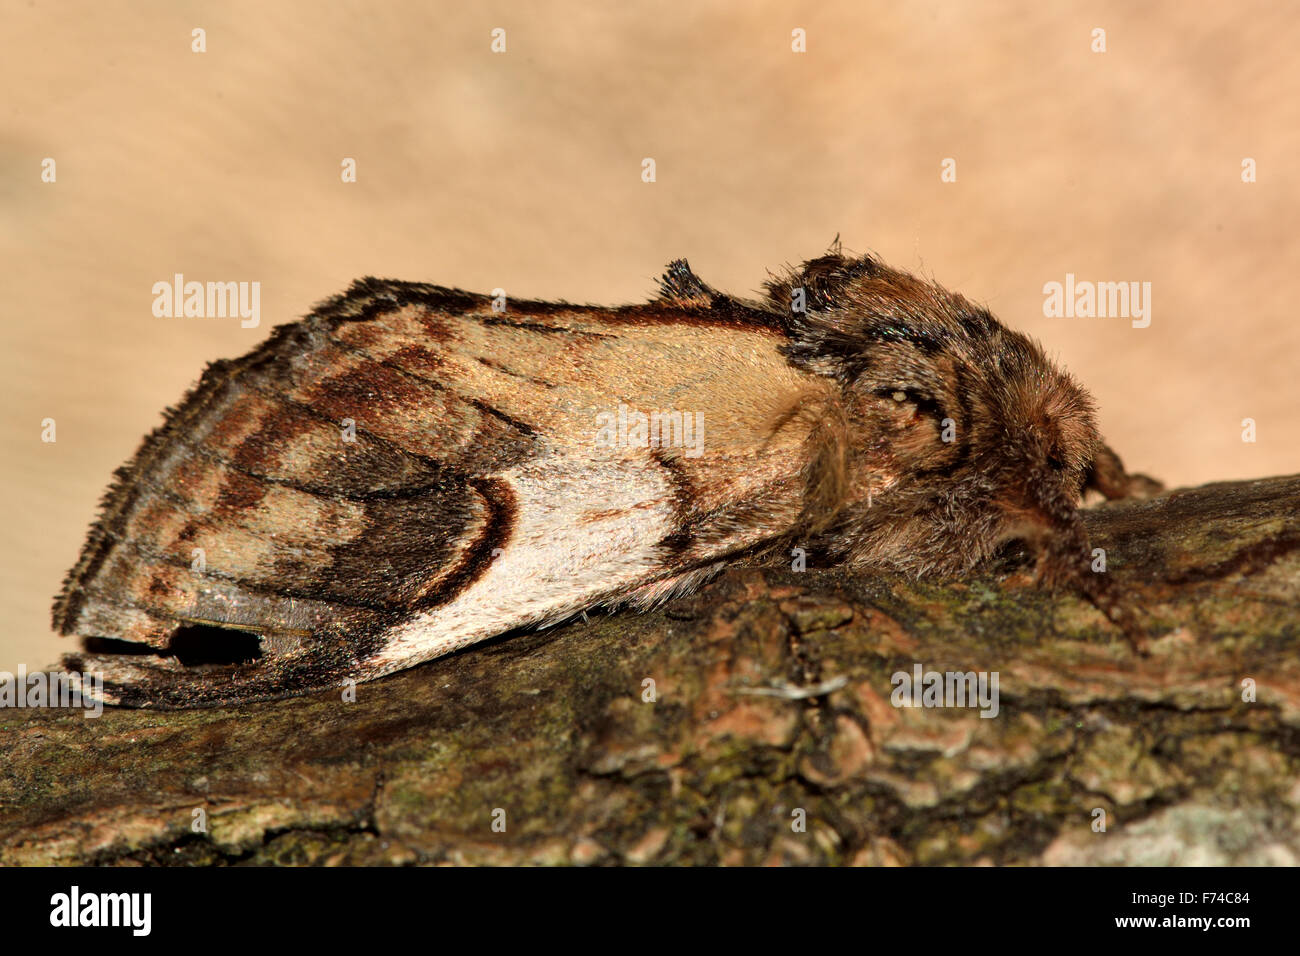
772	695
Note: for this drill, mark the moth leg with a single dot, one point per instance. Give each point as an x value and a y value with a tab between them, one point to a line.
1060	541
1062	555
1061	567
1099	591
1108	476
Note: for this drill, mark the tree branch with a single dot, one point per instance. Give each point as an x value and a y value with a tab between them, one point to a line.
772	696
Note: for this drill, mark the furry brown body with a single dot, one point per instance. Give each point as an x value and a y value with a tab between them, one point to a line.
407	471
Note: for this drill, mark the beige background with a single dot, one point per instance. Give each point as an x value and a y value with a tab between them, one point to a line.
522	170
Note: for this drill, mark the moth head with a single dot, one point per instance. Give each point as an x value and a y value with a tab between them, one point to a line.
959	433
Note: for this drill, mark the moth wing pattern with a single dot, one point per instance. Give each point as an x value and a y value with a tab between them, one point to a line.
407	471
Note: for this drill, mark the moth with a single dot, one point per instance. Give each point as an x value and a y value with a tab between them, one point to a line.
411	469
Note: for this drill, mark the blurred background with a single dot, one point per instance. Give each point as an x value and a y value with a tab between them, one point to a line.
522	170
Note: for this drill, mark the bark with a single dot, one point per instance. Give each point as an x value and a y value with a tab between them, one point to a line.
772	704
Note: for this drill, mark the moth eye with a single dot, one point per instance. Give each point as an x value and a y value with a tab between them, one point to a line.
919	403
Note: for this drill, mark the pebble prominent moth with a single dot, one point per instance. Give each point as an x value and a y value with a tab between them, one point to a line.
411	469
